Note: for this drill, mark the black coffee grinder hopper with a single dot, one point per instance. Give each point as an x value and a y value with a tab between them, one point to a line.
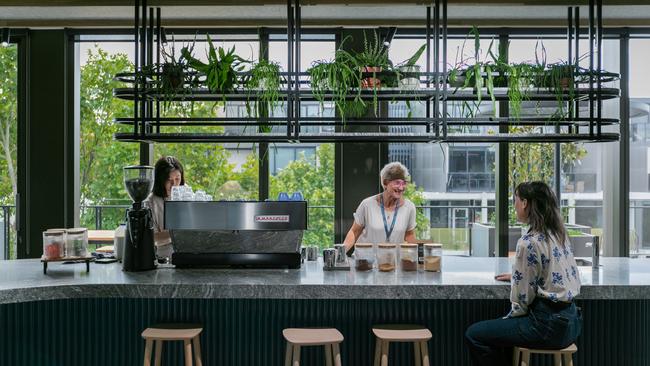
139	252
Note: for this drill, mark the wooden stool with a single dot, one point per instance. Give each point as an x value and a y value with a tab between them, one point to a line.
558	355
188	333
297	337
416	334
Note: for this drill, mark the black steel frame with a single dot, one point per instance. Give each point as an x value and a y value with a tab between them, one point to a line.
146	118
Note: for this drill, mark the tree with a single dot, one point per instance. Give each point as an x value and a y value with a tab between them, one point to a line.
531	162
8	123
316	182
8	136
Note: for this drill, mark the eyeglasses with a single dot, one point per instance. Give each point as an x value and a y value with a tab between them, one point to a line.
399	183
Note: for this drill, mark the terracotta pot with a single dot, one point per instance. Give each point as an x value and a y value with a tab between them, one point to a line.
371	83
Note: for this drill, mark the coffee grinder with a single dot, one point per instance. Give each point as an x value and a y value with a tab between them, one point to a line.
139	252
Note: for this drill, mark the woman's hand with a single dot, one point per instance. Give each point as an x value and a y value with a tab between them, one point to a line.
503	277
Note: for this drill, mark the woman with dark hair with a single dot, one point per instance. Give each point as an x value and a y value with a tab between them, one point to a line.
168	172
544	283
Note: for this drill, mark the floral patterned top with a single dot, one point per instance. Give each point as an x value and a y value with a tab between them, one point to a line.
543	268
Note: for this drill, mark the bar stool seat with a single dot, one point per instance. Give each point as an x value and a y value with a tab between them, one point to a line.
188	333
329	338
416	334
561	357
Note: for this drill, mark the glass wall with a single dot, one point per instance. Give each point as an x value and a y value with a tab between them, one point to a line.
639	123
8	151
306	168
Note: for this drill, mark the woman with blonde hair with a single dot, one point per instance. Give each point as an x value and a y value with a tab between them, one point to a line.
386	217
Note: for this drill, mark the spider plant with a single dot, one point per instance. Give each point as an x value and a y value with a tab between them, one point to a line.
263	85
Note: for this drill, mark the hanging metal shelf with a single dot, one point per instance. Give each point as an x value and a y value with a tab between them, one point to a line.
588	87
364	137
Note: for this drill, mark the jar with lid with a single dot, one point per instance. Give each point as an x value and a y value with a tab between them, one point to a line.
408	257
364	257
77	242
386	257
432	257
53	243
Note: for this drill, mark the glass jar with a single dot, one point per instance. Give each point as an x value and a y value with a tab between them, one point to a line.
408	257
386	257
432	257
77	242
364	257
53	243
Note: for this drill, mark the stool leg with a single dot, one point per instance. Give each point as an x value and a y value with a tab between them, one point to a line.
557	359
188	352
516	355
416	354
328	354
568	359
147	351
288	355
424	348
296	355
337	354
525	358
377	351
385	345
159	346
197	351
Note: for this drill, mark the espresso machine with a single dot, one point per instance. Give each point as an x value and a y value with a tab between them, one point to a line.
139	252
236	233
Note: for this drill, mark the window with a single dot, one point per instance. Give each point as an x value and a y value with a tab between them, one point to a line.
639	173
8	149
307	168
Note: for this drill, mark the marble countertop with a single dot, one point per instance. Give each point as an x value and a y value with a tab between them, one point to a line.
461	278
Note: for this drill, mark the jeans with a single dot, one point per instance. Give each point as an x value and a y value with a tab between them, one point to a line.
546	326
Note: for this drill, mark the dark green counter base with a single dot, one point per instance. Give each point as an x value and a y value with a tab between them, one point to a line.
249	332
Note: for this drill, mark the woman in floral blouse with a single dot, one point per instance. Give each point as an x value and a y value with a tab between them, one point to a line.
544	282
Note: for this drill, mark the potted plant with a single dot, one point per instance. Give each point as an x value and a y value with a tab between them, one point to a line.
172	76
338	77
263	82
221	70
408	71
373	59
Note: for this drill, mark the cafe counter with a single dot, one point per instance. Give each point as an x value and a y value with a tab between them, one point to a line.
70	317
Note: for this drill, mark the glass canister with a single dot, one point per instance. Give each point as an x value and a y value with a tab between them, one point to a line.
408	254
364	257
386	257
77	242
53	243
432	257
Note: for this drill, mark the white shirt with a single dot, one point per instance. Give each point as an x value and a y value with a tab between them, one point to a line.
368	216
543	268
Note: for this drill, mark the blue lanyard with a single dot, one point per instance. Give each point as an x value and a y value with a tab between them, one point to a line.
383	216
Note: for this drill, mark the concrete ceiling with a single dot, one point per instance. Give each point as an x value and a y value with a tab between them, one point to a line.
114	13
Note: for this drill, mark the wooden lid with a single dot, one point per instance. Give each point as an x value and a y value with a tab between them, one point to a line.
433	245
363	245
408	245
386	245
77	230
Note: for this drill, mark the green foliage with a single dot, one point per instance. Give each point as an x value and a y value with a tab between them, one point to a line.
221	69
315	179
416	195
374	53
8	137
341	77
263	82
8	124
